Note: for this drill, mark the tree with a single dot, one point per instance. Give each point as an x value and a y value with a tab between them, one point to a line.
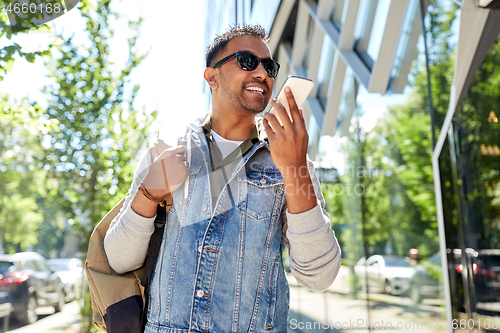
21	172
99	132
9	52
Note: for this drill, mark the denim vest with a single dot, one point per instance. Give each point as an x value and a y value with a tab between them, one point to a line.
222	272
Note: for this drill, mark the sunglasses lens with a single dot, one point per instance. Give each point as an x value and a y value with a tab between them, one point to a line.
271	67
247	61
250	62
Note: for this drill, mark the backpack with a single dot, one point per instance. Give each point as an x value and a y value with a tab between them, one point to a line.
120	301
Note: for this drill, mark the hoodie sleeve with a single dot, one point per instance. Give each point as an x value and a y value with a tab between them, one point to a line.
127	238
314	250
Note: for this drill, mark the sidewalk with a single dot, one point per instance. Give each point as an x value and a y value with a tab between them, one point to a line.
66	321
338	310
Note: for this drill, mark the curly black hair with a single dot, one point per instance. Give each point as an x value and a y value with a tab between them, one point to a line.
220	42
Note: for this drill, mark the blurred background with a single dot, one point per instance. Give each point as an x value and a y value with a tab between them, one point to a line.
402	121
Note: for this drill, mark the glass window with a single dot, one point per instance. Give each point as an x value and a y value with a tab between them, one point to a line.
363	29
347	104
60	266
308	44
41	266
29	265
5	266
338	11
475	158
394	262
378	29
325	70
264	12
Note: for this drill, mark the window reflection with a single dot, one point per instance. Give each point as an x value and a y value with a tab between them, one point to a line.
476	177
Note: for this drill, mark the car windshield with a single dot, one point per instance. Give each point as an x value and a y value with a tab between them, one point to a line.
59	266
395	262
435	259
5	266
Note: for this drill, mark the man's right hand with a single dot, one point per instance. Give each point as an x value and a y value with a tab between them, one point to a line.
167	172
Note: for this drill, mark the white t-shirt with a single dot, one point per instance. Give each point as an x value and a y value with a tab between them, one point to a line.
225	146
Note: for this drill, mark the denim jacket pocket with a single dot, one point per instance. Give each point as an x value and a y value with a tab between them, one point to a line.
273	285
262	188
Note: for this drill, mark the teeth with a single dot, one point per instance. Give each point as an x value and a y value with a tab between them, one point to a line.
256	89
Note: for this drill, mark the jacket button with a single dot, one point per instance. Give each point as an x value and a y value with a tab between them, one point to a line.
204	208
200	293
263	181
200	248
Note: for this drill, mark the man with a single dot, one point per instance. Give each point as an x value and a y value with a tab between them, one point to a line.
247	189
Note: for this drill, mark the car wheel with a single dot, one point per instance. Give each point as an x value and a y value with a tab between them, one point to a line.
30	316
387	287
415	294
61	301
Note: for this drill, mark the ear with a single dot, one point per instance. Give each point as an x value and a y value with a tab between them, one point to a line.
210	77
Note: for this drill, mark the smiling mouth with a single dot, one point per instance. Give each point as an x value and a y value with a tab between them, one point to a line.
256	89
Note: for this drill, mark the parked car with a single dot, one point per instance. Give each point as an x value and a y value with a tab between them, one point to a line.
5	305
70	270
32	284
425	282
384	273
486	270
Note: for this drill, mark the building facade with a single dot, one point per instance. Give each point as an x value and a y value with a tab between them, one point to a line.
404	113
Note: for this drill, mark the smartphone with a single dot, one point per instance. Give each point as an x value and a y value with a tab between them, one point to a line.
300	87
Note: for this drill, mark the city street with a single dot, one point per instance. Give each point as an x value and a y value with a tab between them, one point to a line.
337	310
66	321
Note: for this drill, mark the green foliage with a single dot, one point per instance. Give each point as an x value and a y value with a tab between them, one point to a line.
22	175
98	131
343	204
477	133
400	204
9	52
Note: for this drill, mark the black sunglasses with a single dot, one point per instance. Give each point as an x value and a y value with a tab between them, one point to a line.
249	62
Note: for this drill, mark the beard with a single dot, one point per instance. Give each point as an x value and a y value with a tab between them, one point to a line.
235	96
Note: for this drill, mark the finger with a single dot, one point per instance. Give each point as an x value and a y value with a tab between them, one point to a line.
271	125
171	151
292	105
177	149
282	113
302	116
271	136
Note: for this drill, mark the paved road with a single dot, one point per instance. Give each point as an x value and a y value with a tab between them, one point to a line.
337	310
67	321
